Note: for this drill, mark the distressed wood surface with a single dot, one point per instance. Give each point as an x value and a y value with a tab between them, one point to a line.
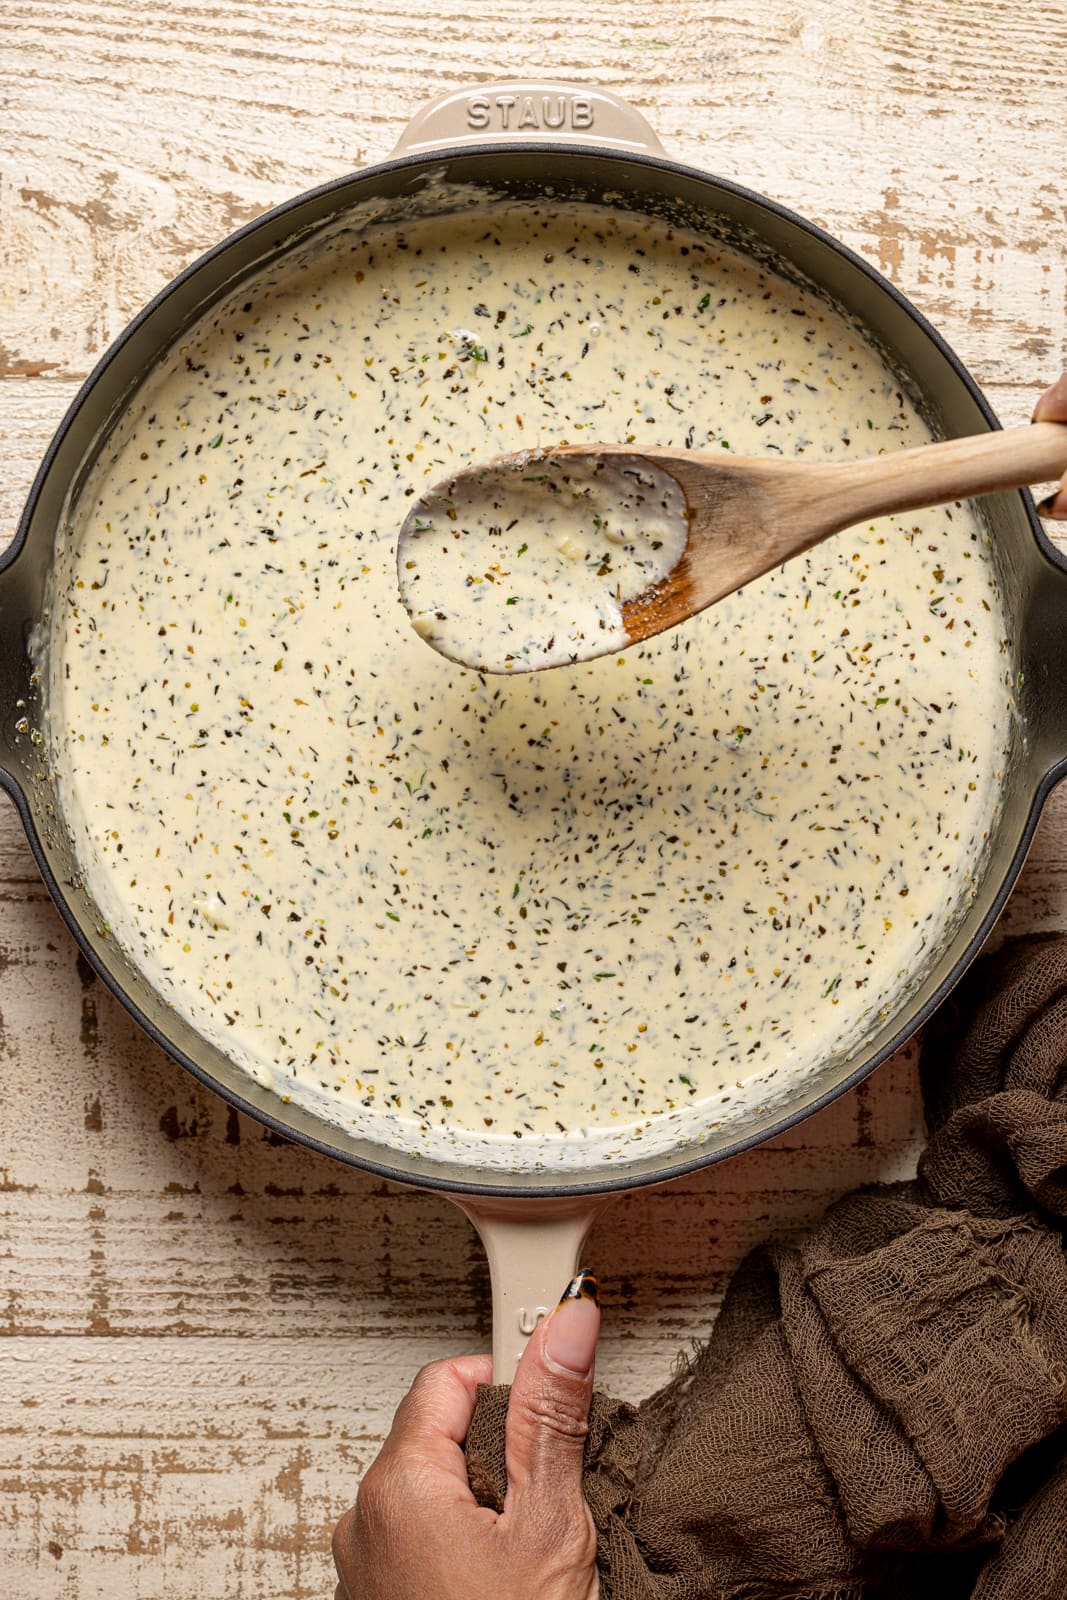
203	1329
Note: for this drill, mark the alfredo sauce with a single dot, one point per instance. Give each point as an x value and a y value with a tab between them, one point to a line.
542	919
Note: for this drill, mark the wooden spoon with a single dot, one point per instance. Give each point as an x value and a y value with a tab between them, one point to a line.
563	554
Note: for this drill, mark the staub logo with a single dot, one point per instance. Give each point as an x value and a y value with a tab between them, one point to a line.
536	113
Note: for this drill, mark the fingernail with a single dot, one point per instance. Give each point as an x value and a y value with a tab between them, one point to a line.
572	1329
1053	505
585	1285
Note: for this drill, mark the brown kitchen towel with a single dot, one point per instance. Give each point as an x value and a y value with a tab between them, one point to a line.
880	1412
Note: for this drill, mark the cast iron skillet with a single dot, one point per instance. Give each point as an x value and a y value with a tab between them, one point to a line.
523	140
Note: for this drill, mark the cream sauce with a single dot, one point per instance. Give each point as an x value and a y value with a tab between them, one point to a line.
537	920
527	562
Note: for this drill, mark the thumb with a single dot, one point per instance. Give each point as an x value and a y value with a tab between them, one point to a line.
548	1411
1052	406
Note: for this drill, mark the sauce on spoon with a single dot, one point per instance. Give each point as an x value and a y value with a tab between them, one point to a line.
528	561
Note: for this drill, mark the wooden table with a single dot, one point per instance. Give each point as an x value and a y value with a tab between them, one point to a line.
205	1330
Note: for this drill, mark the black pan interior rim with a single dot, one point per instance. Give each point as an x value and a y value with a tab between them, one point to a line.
287	1120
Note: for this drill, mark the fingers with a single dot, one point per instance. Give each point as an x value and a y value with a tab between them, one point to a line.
418	1473
548	1411
432	1420
416	1530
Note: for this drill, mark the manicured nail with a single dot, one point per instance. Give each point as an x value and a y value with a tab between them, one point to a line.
585	1285
572	1329
1054	505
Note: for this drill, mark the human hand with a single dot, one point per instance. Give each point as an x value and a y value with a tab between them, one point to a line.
1052	407
416	1531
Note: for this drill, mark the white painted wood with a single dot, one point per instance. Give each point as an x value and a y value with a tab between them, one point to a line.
203	1331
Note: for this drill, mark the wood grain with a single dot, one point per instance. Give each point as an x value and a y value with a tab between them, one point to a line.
203	1329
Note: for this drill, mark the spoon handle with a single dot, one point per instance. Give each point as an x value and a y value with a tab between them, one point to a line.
847	492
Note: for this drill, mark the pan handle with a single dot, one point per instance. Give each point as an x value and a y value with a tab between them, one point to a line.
533	1247
516	109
